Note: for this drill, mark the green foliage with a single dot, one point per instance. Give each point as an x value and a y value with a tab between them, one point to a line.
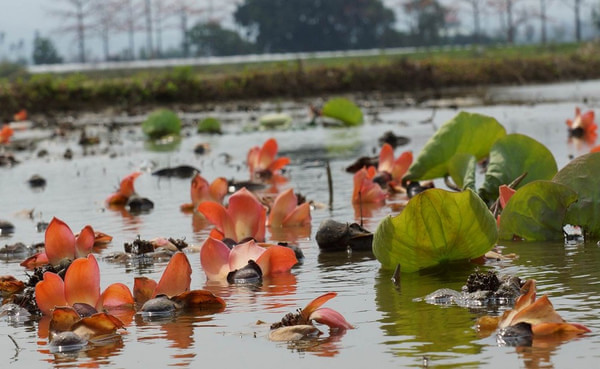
291	26
44	51
211	39
462	170
466	133
209	125
161	123
436	226
581	175
512	156
536	212
343	110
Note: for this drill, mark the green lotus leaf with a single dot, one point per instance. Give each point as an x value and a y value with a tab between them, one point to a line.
209	125
275	120
512	156
581	175
536	212
343	110
436	226
462	170
465	133
161	123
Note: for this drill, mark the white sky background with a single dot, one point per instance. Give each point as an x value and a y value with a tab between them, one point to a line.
19	19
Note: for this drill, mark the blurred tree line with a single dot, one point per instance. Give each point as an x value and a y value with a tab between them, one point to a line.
263	26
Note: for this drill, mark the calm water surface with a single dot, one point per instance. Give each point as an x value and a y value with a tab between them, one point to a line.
392	330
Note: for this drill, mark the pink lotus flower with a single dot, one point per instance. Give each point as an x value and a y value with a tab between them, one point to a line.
202	191
126	190
61	244
365	190
244	217
81	285
262	162
286	212
218	260
395	168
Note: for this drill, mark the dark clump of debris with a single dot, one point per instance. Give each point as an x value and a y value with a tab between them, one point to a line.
139	247
290	319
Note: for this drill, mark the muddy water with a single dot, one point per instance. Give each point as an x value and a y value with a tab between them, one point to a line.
392	330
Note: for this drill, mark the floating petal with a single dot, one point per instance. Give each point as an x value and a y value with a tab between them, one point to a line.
331	318
267	154
82	281
143	289
386	158
316	303
50	292
117	295
283	205
240	254
200	299
277	259
176	278
218	215
63	319
36	260
85	241
126	187
59	242
214	258
248	216
299	216
218	189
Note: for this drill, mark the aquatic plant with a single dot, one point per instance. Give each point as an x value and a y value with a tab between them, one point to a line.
80	286
125	191
161	123
218	260
244	217
393	168
262	162
60	244
275	120
583	126
365	190
343	110
209	125
286	212
201	191
437	226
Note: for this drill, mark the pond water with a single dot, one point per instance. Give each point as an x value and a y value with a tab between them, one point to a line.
392	329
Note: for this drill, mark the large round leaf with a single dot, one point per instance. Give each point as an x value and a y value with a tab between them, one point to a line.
462	170
582	175
343	110
436	226
512	156
536	212
465	133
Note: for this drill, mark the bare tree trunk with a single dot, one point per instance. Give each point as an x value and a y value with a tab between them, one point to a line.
543	21
131	28
510	22
476	26
185	44
80	31
576	9
105	44
148	14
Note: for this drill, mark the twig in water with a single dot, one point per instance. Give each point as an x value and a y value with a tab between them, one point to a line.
15	342
396	276
330	184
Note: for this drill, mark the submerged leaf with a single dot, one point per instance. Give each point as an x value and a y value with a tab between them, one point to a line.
435	227
512	156
581	175
536	212
343	110
161	123
465	133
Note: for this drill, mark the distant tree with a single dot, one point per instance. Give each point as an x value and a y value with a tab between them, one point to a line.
75	18
476	8
107	20
429	19
44	51
211	39
310	25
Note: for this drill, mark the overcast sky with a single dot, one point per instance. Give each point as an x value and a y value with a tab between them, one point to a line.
19	19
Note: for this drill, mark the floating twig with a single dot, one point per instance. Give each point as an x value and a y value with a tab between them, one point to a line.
329	184
396	276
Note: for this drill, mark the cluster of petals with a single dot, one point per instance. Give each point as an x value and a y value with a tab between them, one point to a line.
586	124
202	191
61	244
218	260
125	191
286	212
81	285
396	168
540	314
176	279
365	190
331	318
243	218
5	133
263	159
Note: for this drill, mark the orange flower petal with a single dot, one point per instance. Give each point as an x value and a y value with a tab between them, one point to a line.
177	276
284	204
99	324
126	187
278	163
82	281
36	260
316	303
331	318
545	329
59	242
218	189
200	299
240	254
214	258
63	319
299	216
248	216
143	289
85	241
199	190
505	194
386	158
401	165
218	215
117	295
540	311
252	158
267	154
276	259
50	292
